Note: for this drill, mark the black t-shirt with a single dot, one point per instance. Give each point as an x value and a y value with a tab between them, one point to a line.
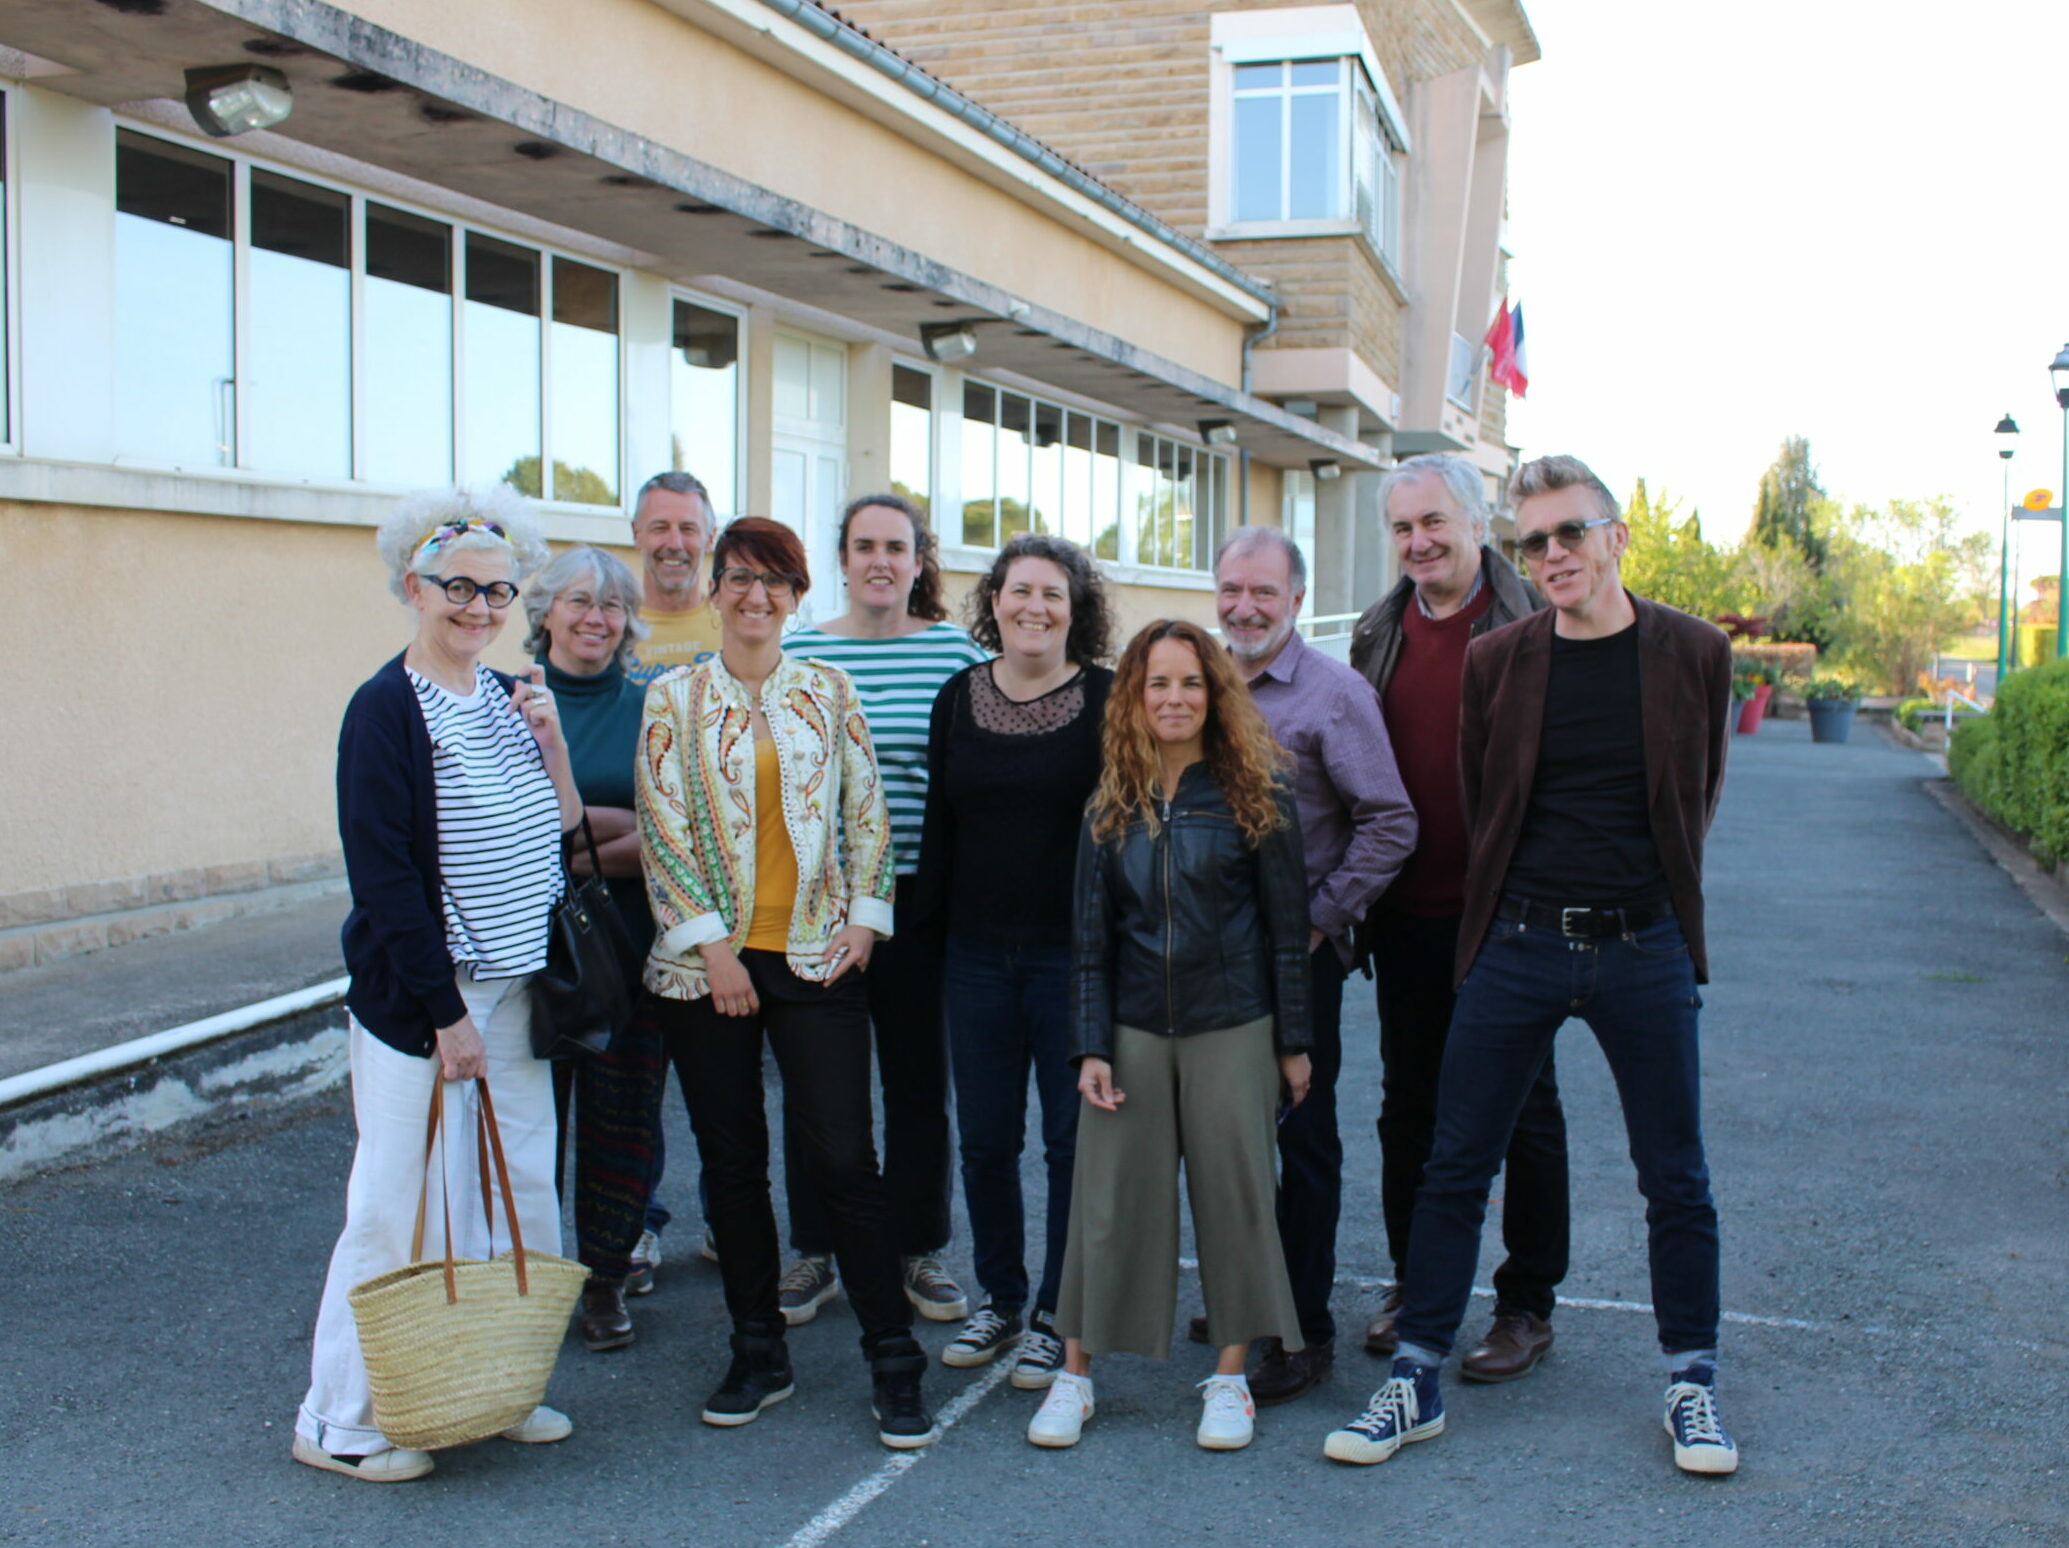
1006	791
1587	836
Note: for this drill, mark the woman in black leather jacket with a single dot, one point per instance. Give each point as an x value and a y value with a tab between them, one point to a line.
1189	1026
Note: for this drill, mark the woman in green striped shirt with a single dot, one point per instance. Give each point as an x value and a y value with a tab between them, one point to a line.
896	644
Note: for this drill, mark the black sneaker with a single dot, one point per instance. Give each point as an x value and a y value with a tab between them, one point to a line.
985	1337
1041	1355
1701	1443
902	1420
759	1375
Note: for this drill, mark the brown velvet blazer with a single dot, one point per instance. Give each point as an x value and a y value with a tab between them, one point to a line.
1684	680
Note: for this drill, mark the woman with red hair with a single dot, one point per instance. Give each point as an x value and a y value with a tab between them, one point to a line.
1189	967
767	850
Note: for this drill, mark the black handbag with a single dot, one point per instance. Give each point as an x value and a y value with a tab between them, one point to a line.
582	998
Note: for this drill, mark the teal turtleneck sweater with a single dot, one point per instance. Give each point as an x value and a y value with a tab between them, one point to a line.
599	717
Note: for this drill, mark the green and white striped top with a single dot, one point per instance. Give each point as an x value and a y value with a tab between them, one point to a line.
897	681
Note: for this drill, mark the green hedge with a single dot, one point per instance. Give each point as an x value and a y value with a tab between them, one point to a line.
2014	762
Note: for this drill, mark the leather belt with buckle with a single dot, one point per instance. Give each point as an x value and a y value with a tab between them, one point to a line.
1584	924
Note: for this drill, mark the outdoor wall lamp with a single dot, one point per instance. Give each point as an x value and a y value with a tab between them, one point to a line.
948	341
230	99
2007	433
2058	375
1217	432
1326	468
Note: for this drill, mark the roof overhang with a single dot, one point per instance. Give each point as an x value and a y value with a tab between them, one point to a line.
1504	21
382	99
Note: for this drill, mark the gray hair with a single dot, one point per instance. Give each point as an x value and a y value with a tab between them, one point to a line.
1549	475
677	483
1460	478
1242	539
417	516
613	582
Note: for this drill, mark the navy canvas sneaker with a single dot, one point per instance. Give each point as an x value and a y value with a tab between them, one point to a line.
1701	1443
1410	1407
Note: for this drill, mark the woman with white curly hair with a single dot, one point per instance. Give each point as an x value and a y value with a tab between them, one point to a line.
454	788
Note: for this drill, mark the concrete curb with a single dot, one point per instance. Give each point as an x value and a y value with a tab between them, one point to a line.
264	1055
2041	889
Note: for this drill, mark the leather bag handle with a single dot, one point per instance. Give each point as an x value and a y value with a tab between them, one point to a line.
488	1140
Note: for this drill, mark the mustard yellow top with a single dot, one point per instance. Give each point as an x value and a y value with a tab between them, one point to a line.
775	862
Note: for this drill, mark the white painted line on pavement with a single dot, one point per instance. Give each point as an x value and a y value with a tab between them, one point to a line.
845	1509
106	1061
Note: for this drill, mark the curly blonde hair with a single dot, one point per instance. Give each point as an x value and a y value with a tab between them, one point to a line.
1236	743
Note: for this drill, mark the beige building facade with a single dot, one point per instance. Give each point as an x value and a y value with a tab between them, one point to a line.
571	246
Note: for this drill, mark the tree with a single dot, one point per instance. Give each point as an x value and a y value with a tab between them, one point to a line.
1788	505
1908	579
1670	560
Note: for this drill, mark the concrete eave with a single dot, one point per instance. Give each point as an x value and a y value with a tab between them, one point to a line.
384	100
1505	21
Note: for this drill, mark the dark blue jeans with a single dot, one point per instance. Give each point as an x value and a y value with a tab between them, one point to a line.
1638	995
1009	1011
1311	1157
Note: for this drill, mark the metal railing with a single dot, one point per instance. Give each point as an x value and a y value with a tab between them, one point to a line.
1330	632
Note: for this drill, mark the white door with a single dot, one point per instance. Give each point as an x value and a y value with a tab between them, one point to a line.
809	457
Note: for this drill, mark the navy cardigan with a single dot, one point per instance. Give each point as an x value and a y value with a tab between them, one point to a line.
402	976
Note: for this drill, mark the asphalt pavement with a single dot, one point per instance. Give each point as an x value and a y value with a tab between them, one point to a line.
1887	1089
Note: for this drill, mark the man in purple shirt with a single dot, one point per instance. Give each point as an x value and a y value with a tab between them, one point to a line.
1358	829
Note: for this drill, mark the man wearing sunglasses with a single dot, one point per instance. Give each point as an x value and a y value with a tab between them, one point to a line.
1411	646
1591	747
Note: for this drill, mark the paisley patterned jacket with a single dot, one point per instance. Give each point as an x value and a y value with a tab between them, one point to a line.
696	815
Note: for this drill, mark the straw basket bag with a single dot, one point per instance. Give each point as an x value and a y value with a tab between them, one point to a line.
459	1351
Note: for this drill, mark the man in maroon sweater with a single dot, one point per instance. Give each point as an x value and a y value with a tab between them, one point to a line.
1411	646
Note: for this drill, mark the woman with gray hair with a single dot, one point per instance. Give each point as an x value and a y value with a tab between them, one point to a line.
453	792
585	626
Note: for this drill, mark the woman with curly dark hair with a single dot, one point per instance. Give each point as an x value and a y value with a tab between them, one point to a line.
1189	1008
1012	755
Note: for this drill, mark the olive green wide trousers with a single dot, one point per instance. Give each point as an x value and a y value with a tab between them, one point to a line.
1210	1100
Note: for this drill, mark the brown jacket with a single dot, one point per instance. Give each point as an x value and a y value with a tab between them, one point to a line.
1684	678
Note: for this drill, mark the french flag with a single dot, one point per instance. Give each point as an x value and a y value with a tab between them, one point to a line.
1509	366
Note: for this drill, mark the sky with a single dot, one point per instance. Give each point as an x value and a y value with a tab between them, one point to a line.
1842	219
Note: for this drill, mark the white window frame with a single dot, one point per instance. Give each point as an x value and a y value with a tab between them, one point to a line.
10	266
937	434
1307	34
242	163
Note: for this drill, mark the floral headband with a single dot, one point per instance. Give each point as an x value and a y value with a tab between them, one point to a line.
440	536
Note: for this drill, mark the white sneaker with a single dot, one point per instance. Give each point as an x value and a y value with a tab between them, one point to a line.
396	1464
646	1257
1228	1421
1061	1418
541	1427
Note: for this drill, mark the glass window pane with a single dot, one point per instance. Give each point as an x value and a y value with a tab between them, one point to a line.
298	358
1184	505
174	323
1078	494
704	402
585	384
1016	440
1258	157
912	436
1254	77
1314	162
1106	491
1146	484
980	468
406	394
501	368
6	422
1046	489
1315	72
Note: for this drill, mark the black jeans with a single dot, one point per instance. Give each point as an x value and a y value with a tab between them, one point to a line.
1637	994
616	1098
1311	1158
904	988
1412	954
820	1034
1009	1012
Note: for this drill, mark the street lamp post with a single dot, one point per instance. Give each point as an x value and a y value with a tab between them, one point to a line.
2058	374
2007	437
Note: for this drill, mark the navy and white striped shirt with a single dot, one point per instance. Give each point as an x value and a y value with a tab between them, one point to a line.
498	827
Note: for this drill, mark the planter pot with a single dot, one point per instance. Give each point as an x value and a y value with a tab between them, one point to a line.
1831	720
1750	713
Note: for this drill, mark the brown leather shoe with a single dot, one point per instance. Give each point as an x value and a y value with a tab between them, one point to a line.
1512	1348
604	1322
1379	1336
1282	1377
